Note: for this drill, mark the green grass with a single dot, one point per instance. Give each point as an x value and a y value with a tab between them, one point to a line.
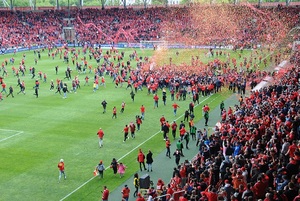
54	128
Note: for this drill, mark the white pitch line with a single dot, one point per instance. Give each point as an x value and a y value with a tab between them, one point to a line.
19	133
10	130
79	187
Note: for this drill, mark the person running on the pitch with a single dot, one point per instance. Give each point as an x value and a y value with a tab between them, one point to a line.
36	88
22	87
132	129
125	130
104	103
114	113
51	85
143	109
11	91
122	107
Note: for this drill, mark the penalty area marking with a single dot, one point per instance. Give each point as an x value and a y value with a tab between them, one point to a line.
79	187
14	135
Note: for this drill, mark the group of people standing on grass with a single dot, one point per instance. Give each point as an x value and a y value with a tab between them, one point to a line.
193	83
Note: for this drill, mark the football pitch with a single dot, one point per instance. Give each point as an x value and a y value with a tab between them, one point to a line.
35	133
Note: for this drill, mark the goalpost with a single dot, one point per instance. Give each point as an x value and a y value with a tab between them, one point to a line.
153	44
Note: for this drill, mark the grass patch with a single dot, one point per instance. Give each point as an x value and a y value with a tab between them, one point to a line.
55	128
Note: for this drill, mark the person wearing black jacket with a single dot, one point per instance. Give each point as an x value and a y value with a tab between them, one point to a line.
149	160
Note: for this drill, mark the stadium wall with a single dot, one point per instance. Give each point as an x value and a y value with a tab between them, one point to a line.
41	8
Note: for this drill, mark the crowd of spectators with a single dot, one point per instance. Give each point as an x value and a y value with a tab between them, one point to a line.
252	154
247	26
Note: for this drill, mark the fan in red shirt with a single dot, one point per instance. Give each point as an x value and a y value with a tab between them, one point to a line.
114	113
132	129
174	128
125	130
141	159
143	109
61	168
206	108
182	132
169	192
211	195
125	192
260	187
140	197
100	134
162	121
183	198
122	107
138	122
175	106
3	87
155	98
105	194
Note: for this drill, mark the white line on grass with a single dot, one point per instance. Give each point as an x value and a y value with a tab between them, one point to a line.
18	133
10	130
79	187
